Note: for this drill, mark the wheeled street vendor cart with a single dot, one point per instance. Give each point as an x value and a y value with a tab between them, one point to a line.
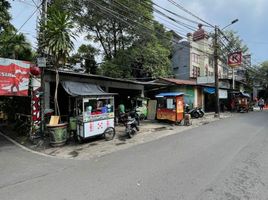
170	106
93	110
97	117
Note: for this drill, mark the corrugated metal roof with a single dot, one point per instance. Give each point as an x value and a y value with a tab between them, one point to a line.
104	77
179	82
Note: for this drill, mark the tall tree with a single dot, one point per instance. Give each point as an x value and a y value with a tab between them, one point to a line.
108	22
58	31
144	59
12	44
5	16
133	44
88	53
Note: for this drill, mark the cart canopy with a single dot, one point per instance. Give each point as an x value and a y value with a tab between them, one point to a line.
169	94
245	94
83	89
241	94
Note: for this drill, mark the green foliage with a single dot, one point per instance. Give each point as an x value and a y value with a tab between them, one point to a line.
13	45
107	22
59	35
235	43
86	55
5	17
58	31
145	59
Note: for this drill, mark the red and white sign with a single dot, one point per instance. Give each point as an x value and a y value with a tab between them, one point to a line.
14	77
235	59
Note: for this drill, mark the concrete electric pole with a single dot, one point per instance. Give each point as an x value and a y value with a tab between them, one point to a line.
216	56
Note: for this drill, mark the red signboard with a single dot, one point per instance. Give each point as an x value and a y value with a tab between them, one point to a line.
235	59
14	77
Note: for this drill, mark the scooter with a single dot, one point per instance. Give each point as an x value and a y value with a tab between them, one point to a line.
200	112
131	124
193	112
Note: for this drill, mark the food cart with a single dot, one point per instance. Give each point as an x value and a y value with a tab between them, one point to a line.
95	116
242	102
170	106
93	110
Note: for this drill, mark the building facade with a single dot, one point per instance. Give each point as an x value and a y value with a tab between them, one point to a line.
194	58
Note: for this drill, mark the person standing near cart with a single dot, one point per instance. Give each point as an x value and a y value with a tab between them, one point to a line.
261	103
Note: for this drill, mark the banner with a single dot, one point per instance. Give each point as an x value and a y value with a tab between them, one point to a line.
14	77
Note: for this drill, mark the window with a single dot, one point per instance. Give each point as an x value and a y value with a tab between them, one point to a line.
196	71
195	58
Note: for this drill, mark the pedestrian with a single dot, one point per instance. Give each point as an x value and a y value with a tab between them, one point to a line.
261	103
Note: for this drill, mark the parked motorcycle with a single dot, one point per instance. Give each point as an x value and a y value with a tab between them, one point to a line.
132	124
201	112
194	112
122	117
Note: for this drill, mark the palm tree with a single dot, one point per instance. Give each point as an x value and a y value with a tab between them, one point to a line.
57	40
20	47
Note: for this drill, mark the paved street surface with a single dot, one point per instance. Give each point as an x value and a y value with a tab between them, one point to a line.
226	159
149	131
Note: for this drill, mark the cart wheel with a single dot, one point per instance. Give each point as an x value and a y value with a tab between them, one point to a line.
78	139
109	133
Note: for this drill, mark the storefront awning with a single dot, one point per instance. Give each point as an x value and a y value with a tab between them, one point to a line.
169	94
83	89
209	90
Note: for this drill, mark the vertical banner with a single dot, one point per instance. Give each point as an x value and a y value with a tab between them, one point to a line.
14	77
36	107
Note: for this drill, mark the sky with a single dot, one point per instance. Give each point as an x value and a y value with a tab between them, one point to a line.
251	27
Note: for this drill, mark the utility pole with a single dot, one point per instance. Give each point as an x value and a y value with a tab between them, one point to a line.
216	56
233	78
43	53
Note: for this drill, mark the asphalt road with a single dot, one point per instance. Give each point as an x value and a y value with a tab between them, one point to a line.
226	159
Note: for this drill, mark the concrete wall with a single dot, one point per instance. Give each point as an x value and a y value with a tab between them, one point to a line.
181	60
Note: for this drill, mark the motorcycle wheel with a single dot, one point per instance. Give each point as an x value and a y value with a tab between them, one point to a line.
130	131
195	115
142	117
201	114
109	134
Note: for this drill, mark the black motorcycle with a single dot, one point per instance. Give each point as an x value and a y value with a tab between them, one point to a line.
194	112
201	112
132	124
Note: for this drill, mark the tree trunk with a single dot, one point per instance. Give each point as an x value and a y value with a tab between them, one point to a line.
114	39
56	105
99	36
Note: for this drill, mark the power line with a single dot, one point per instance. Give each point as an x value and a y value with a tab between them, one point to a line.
175	14
24	23
161	14
116	15
190	13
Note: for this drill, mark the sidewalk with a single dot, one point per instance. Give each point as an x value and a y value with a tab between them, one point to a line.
97	147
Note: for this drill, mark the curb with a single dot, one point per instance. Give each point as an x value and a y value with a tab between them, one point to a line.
27	149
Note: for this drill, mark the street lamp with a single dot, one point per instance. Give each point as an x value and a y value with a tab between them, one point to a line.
232	22
216	56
